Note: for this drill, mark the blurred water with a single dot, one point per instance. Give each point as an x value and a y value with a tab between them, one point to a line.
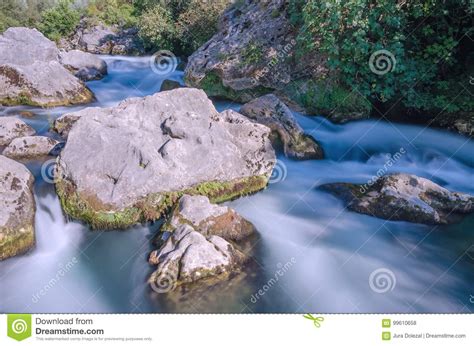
312	255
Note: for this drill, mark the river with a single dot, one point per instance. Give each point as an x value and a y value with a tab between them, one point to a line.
312	255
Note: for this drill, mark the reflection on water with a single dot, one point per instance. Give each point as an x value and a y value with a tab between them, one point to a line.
312	254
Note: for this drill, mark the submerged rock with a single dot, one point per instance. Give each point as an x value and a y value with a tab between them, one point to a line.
405	197
11	128
204	242
85	66
270	111
17	208
30	147
169	84
31	74
127	164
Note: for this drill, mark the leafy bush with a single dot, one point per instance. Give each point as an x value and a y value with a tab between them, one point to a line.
60	20
391	49
112	12
156	28
198	23
10	14
180	26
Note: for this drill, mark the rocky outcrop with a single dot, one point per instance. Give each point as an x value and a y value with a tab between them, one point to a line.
405	197
85	66
252	54
103	39
11	128
17	208
203	244
130	163
270	111
30	72
30	147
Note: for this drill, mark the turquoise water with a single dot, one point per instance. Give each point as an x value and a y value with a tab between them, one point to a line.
312	254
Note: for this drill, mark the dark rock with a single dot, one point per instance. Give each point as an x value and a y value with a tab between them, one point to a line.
405	197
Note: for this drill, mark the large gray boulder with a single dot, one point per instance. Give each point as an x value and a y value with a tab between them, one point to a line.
30	72
250	54
17	208
30	147
270	111
11	128
129	163
405	197
205	242
85	66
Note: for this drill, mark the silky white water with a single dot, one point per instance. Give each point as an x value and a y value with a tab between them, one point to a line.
312	255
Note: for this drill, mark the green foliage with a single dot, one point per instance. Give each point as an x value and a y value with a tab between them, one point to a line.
21	13
252	54
112	12
321	97
180	26
60	20
156	28
10	14
424	38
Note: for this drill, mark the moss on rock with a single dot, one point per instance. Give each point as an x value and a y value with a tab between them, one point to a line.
99	216
16	243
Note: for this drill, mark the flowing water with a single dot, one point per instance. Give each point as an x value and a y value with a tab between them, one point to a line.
312	254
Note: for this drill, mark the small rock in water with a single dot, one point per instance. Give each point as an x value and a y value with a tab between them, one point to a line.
85	66
270	111
206	241
405	197
169	84
31	147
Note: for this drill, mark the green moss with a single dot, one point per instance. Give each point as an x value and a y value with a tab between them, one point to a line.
100	216
26	100
251	55
15	243
213	86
